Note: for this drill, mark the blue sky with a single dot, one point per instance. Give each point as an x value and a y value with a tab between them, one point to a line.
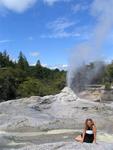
46	29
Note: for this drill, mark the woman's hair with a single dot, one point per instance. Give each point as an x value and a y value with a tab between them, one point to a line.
86	121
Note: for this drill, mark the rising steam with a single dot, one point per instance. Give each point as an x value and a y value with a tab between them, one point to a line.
91	51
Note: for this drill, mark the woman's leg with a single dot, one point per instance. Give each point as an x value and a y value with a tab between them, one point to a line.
79	139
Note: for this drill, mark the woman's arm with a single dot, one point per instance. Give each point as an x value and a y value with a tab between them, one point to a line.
94	131
84	131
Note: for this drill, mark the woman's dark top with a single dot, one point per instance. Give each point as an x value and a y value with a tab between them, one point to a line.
89	136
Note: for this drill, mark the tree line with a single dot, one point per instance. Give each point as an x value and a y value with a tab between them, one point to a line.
19	79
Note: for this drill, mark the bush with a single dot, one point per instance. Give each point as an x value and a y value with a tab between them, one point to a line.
36	87
107	86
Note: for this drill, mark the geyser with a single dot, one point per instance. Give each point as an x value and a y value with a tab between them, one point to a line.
78	75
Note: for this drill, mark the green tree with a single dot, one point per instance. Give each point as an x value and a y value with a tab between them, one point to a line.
32	87
5	60
7	85
22	62
18	79
39	70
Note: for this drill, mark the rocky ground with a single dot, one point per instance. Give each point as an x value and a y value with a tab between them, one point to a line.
70	146
52	122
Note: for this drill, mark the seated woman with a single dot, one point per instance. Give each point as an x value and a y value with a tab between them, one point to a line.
89	133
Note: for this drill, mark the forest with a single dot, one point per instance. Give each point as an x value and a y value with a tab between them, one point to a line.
18	79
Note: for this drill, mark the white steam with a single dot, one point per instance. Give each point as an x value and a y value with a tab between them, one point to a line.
92	50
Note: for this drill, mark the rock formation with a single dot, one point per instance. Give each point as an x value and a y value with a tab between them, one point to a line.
35	116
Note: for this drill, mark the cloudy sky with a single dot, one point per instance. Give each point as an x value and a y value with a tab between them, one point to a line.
47	29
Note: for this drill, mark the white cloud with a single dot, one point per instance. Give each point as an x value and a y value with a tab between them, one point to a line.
51	2
20	6
59	66
5	41
34	54
109	60
59	27
44	65
33	64
16	5
61	35
60	24
79	7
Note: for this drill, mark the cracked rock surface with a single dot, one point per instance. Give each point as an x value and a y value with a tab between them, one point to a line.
52	121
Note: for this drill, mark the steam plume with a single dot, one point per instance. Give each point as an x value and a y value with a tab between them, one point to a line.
91	50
